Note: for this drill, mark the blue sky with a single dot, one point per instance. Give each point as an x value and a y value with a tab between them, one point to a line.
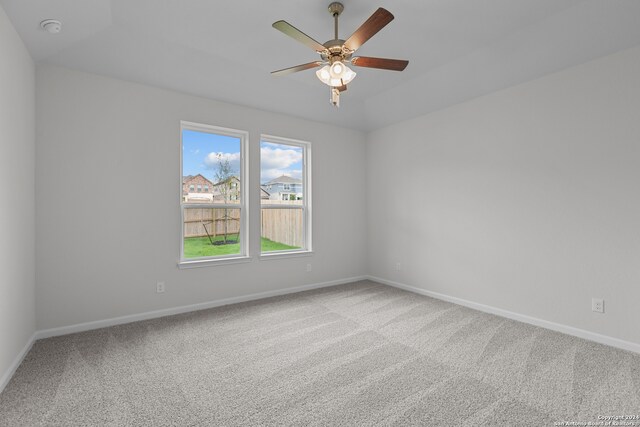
200	152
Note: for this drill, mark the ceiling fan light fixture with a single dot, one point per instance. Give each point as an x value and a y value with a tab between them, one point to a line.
335	76
341	73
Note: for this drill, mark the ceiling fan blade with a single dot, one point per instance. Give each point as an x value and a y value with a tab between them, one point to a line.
375	23
342	88
383	63
297	68
295	33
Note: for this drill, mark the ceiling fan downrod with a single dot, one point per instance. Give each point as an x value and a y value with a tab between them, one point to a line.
336	9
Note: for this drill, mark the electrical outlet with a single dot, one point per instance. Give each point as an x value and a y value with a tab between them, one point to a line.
308	268
160	287
398	266
597	305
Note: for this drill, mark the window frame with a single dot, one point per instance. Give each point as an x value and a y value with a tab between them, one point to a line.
243	205
307	248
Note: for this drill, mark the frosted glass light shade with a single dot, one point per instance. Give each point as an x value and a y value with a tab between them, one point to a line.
324	75
336	70
348	75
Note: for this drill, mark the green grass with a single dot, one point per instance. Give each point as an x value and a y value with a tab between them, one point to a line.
196	247
269	245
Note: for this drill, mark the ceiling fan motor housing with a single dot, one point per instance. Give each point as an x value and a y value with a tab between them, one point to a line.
336	51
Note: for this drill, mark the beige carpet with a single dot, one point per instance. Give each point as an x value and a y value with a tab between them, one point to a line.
357	354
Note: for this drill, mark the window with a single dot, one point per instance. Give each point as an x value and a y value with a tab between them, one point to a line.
285	217
214	224
192	188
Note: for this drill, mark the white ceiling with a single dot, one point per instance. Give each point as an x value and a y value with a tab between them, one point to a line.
458	49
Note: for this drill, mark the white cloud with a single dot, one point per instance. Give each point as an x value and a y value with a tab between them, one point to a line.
211	161
276	161
269	174
278	158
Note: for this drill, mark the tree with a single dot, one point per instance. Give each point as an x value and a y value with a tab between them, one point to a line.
223	176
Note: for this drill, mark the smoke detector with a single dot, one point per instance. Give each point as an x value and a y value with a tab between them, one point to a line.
51	26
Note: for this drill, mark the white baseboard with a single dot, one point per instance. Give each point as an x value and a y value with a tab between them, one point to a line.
569	330
6	377
97	324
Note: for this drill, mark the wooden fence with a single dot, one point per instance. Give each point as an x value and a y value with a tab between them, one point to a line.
283	226
279	225
195	221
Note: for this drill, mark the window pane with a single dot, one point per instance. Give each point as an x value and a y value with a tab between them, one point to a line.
211	232
281	169
282	229
210	167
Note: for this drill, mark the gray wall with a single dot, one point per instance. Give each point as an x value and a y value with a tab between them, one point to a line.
108	159
17	206
525	200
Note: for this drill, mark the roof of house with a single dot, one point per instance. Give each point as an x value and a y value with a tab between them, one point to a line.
284	179
188	178
231	178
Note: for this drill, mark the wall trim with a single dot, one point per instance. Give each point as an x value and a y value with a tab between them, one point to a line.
97	324
558	327
6	377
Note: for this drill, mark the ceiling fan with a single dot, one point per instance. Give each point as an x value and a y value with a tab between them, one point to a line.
334	54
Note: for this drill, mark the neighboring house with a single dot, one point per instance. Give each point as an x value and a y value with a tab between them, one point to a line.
227	191
233	190
284	188
197	188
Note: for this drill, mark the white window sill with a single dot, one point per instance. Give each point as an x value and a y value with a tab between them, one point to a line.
281	255
212	262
